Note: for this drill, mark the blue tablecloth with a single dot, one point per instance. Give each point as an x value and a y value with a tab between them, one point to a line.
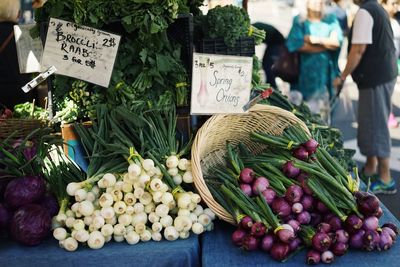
218	251
178	253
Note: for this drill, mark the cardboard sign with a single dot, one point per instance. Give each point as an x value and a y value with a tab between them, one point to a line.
81	52
29	50
220	84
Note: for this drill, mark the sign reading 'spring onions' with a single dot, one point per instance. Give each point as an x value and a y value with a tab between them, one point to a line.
220	83
81	52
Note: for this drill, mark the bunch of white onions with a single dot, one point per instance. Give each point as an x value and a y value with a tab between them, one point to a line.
135	206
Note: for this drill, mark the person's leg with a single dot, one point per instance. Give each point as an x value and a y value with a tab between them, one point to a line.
371	166
384	169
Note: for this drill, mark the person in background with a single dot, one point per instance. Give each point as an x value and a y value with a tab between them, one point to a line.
336	9
372	63
274	41
11	81
317	37
391	8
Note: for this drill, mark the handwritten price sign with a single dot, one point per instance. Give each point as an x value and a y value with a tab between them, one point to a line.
220	84
81	52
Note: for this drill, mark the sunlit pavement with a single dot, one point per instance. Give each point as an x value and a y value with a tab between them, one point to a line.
279	14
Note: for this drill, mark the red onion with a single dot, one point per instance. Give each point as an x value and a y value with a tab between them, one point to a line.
356	240
327	257
294	193
324	227
307	202
29	152
303	175
335	223
353	223
258	229
297	208
392	226
304	217
247	176
281	207
339	248
370	223
385	241
315	218
368	204
295	225
238	236
300	153
285	235
269	195
371	240
267	242
321	241
246	223
313	257
290	170
378	213
390	232
250	243
246	188
342	236
260	184
311	146
280	251
294	244
304	185
322	208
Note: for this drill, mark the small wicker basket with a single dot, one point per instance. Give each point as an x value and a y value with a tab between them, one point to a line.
21	127
209	146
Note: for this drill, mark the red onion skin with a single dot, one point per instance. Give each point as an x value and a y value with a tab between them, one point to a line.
246	223
335	223
371	240
267	242
238	236
327	257
279	251
322	208
303	175
247	176
293	194
300	153
313	257
290	170
315	219
305	187
25	190
390	232
250	243
339	248
269	195
356	240
311	146
304	217
295	225
370	223
297	208
246	188
392	226
295	244
379	213
286	236
385	241
321	241
308	202
259	185
368	205
353	223
342	236
258	229
324	227
281	207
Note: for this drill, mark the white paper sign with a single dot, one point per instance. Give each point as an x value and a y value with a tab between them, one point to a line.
81	52
29	50
220	84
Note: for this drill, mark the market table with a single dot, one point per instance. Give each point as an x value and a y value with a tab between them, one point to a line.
178	253
218	251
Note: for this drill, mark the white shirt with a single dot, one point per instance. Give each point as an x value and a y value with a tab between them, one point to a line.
396	35
362	27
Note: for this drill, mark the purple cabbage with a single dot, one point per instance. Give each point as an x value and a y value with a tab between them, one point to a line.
25	190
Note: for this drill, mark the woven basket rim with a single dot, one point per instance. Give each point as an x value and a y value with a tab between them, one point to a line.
201	139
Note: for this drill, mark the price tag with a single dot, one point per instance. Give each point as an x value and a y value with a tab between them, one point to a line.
220	84
81	52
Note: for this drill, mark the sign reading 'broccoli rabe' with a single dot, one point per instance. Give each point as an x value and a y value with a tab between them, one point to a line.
81	52
220	84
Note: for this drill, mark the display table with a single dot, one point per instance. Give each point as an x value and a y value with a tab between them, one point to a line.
218	250
164	253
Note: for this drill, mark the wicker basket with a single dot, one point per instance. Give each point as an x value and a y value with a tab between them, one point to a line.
21	127
209	146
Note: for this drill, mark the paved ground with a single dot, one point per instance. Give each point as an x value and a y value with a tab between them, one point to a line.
279	14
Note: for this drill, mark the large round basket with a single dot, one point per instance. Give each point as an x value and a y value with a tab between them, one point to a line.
209	146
